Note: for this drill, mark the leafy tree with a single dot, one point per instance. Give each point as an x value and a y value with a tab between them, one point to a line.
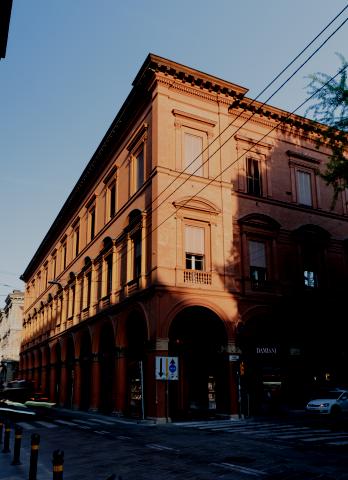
331	108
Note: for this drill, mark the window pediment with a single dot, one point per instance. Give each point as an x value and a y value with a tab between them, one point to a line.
197	204
259	221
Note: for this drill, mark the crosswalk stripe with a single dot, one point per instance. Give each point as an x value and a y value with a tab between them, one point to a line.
46	424
271	430
65	422
26	426
308	433
330	436
98	420
76	420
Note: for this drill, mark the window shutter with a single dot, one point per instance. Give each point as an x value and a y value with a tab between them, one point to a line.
194	239
193	146
257	254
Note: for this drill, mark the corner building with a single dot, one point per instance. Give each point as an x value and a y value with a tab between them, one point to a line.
199	230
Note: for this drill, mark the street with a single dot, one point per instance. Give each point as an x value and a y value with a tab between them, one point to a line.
96	446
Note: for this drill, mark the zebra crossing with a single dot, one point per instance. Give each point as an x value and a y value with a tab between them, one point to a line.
87	424
272	431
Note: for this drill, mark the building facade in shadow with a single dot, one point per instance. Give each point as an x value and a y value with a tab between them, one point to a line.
196	268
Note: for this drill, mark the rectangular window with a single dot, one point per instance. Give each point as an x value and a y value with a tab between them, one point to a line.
139	169
112	199
304	188
92	223
72	296
258	267
54	267
194	247
193	158
137	255
109	275
89	288
45	277
254	185
77	240
64	256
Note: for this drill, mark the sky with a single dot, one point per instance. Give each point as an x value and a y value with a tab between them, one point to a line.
70	64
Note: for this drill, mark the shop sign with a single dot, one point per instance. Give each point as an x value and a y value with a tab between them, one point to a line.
233	358
266	350
167	368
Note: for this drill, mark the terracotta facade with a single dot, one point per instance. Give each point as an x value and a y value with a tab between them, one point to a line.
199	231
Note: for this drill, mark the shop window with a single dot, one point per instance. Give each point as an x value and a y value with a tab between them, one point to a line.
193	158
194	247
254	184
304	191
310	279
257	261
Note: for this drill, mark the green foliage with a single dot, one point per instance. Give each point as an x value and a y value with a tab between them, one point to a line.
331	109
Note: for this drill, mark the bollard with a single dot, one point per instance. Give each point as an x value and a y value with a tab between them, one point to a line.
1	425
17	446
6	448
58	460
34	454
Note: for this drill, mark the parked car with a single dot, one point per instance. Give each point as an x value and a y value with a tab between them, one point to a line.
15	410
18	391
332	402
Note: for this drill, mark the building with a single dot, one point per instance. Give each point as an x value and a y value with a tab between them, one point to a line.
11	324
5	16
197	244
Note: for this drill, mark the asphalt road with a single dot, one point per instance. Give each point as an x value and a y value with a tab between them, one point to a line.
95	447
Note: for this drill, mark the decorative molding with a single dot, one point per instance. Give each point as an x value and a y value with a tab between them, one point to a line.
198	204
190	116
138	136
302	156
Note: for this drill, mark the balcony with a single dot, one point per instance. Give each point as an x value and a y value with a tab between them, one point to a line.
197	277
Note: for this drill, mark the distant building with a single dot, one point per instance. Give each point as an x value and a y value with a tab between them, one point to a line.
197	253
11	325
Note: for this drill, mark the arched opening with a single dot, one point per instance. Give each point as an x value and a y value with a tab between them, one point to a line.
39	370
46	391
264	363
70	362
136	332
58	372
198	338
107	362
86	370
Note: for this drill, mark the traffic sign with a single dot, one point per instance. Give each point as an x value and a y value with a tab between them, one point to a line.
167	368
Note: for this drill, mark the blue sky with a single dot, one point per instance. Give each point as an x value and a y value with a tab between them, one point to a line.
69	67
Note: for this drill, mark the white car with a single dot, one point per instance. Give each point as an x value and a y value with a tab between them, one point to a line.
332	402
